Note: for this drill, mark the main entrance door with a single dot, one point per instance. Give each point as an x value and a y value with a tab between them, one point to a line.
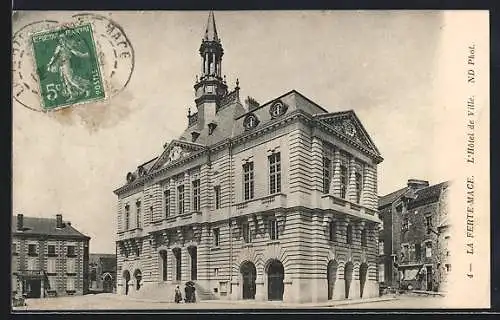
249	273
33	288
275	276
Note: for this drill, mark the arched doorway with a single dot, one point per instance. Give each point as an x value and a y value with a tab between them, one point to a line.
193	254
249	274
331	276
107	283
163	261
363	271
348	270
275	276
138	278
126	279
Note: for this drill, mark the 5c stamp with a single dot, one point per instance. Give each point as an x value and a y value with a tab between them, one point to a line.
87	58
67	66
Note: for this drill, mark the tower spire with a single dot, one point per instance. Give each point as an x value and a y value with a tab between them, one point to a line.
211	30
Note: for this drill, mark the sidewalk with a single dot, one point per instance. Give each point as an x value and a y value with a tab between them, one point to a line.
250	304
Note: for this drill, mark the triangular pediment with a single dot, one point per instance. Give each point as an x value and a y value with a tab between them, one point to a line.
174	151
348	125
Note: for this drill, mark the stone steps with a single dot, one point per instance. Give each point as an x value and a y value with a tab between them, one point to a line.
166	292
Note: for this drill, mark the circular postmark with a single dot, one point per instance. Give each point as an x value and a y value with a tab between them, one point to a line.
113	50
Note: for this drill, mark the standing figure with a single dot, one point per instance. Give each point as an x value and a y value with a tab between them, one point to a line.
178	295
73	85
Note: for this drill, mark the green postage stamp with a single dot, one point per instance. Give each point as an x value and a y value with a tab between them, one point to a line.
67	66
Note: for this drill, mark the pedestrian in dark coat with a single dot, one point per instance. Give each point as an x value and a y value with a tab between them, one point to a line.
178	295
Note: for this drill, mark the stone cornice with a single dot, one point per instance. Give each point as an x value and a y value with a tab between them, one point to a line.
345	139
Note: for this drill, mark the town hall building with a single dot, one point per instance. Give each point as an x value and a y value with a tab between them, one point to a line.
272	201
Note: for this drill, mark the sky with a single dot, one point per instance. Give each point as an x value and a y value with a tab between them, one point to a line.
382	65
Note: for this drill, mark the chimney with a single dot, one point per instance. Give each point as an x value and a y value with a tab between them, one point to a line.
416	184
20	222
251	103
59	223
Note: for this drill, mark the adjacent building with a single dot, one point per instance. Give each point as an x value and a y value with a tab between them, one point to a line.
272	201
414	248
49	257
102	272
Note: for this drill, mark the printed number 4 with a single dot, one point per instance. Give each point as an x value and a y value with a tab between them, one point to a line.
51	91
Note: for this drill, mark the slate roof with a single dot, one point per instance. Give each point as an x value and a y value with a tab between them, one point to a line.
46	226
427	195
422	196
391	197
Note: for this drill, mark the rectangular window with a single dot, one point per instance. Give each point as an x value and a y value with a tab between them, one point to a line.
428	250
364	238
428	222
216	233
14	249
343	180
406	223
70	266
273	229
418	252
32	263
405	252
51	266
247	237
51	250
70	284
349	234
217	197
216	272
32	250
248	180
180	199
166	201
151	214
332	231
71	251
52	283
196	195
381	247
274	173
359	186
127	217
327	174
138	213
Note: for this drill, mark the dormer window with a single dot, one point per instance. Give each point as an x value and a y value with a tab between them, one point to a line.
277	109
250	121
211	127
194	136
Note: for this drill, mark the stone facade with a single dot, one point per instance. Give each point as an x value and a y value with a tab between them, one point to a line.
49	258
416	236
268	202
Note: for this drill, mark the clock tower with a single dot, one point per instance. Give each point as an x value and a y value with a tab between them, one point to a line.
210	87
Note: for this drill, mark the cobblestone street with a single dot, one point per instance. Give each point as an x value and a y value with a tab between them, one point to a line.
115	302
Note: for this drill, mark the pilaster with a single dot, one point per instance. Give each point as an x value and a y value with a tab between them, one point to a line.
335	183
